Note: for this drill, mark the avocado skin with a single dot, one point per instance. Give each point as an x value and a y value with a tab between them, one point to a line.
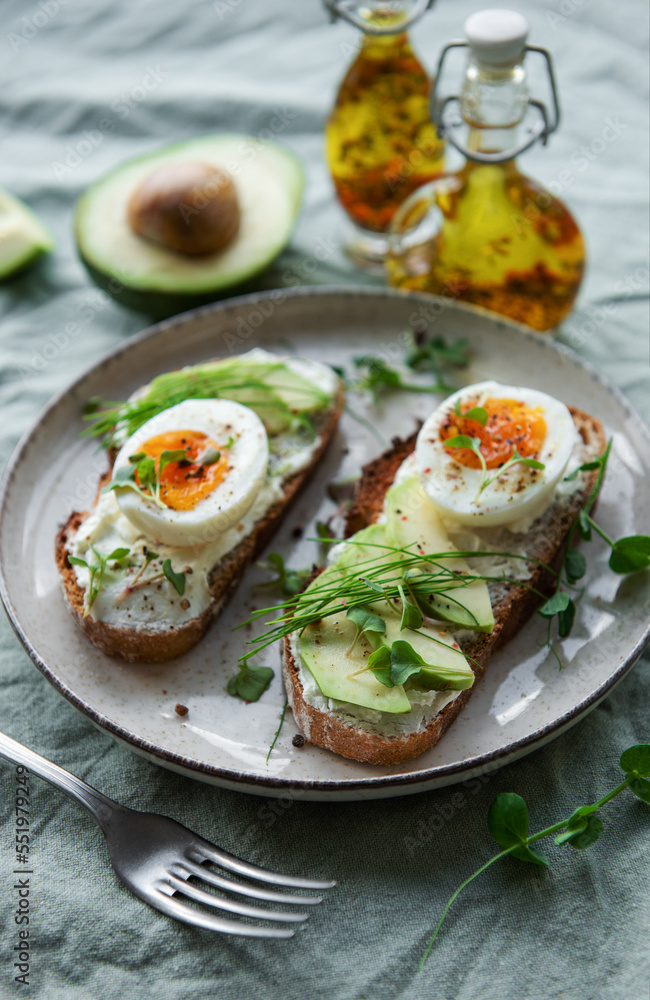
161	305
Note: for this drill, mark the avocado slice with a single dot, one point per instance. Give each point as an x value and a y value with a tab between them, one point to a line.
324	644
23	237
269	182
323	648
295	392
366	546
411	517
266	403
257	380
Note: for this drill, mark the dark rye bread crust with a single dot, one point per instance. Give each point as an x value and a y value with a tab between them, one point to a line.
511	610
143	645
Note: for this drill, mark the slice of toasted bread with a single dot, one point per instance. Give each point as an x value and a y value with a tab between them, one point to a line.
166	642
512	606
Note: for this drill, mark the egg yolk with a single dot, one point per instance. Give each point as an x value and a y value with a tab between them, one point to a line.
509	424
185	483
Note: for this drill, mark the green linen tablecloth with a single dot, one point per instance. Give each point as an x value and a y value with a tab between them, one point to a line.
164	71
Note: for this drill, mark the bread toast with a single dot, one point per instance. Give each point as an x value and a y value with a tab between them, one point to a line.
168	640
512	605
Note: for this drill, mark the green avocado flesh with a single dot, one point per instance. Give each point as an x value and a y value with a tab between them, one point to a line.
411	517
23	237
285	393
325	645
269	182
323	649
276	392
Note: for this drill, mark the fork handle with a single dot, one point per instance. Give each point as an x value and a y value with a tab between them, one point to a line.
99	806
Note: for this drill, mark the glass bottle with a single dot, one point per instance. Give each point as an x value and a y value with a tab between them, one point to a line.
487	234
380	141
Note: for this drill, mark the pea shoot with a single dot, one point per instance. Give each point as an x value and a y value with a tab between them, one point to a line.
628	555
508	824
474	445
250	683
425	355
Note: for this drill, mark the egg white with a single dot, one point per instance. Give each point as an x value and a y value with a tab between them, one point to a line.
519	492
221	509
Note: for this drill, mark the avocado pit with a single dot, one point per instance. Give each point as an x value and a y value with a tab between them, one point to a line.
188	207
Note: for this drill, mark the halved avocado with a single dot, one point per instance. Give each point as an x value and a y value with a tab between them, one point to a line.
23	237
145	276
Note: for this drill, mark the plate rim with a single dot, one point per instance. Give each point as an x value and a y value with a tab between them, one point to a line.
195	768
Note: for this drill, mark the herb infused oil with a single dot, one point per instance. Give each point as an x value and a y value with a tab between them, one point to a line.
381	143
487	234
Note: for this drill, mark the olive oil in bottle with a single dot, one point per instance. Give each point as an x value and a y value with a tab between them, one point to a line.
381	142
487	234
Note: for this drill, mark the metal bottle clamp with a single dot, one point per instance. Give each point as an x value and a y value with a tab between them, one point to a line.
346	10
448	122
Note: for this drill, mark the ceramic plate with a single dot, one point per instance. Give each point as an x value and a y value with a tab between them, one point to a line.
523	701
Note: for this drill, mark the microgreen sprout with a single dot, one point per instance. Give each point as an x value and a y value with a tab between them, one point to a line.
478	413
177	580
508	824
278	730
380	576
143	476
365	621
138	580
425	355
629	555
97	571
431	354
474	445
377	376
395	664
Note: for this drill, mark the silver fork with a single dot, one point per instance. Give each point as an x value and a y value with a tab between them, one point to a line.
155	857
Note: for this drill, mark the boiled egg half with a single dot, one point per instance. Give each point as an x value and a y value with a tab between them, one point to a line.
505	417
205	492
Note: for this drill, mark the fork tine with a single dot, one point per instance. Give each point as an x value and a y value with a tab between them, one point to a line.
173	907
254	891
231	905
235	864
